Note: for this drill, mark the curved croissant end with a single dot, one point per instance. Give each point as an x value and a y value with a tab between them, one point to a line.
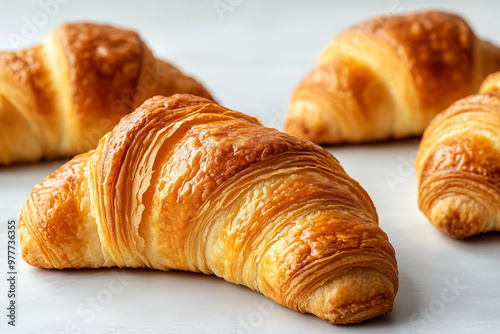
388	77
491	83
60	97
457	165
183	183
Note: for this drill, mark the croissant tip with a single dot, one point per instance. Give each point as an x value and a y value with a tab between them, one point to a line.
459	217
359	295
452	228
30	252
375	311
315	131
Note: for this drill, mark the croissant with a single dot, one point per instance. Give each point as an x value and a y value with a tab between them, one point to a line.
388	77
60	97
458	165
183	183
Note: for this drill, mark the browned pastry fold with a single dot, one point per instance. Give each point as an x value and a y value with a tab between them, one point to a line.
388	77
60	97
458	165
183	183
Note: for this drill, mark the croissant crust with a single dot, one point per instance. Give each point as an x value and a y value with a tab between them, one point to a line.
60	97
458	165
388	77
183	183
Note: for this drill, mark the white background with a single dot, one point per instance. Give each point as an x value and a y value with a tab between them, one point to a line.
250	58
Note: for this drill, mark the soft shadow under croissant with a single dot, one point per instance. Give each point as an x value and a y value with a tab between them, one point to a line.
60	97
183	183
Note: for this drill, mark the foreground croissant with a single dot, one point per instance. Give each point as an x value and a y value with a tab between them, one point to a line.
60	97
183	183
388	77
458	165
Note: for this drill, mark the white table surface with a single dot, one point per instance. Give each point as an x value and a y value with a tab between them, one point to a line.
250	58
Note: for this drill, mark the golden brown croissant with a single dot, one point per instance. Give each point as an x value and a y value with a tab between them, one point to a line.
183	183
458	165
60	97
388	77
